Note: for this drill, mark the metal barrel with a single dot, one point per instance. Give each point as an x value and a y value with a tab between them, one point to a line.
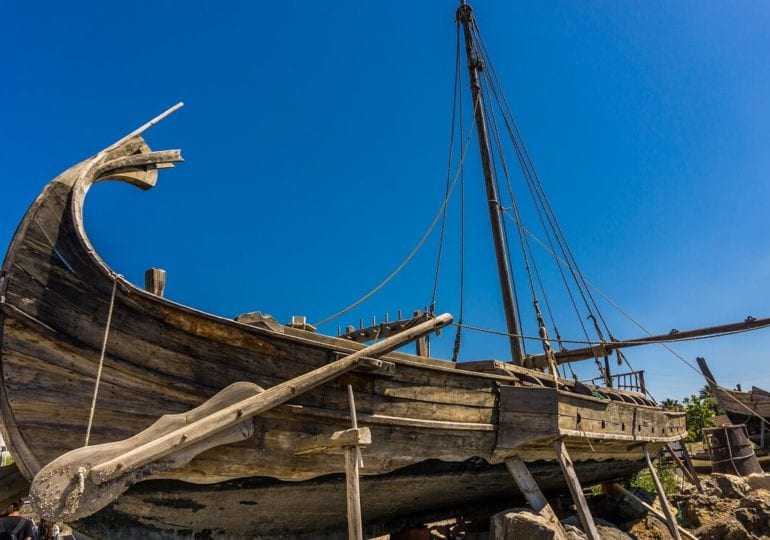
731	450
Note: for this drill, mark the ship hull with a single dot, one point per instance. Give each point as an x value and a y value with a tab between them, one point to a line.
164	358
266	508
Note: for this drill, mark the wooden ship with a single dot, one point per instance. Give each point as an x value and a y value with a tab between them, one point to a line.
137	417
750	408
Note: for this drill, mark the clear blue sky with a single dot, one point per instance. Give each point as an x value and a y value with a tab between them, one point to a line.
315	137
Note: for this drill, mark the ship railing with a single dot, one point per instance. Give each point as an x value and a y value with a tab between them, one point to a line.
632	381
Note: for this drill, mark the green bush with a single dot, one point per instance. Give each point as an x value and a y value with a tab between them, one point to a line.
668	478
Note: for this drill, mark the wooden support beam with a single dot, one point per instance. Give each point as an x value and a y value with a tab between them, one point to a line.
690	474
335	441
589	527
651	510
353	463
670	520
355	526
690	467
535	497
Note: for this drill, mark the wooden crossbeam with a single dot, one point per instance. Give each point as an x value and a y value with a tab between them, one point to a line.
335	441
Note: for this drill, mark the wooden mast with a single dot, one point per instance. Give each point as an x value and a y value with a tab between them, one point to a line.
475	65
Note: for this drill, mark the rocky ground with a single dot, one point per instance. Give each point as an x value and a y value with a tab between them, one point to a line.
727	508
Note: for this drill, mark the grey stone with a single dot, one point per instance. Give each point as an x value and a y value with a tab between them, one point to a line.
607	531
723	530
518	523
759	481
573	533
732	487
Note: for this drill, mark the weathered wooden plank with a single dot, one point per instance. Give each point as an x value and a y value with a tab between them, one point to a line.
434	411
338	439
480	397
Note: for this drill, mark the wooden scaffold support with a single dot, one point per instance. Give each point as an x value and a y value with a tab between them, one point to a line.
670	520
529	488
351	441
353	464
687	467
651	510
589	527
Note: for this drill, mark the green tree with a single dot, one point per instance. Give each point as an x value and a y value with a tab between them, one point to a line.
671	405
710	400
700	413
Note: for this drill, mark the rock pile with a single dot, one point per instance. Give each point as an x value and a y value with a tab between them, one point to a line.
729	508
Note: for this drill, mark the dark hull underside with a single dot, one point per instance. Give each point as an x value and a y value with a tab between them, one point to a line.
267	508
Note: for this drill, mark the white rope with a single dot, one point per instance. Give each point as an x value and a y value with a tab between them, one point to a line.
101	359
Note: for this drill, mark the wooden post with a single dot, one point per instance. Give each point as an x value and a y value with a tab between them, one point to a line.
589	527
355	527
690	466
353	462
651	510
672	525
155	281
690	474
534	496
465	16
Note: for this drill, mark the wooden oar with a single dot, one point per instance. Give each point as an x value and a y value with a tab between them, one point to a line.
85	480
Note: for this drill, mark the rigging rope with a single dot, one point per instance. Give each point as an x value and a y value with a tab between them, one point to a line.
101	358
448	170
541	204
458	333
411	254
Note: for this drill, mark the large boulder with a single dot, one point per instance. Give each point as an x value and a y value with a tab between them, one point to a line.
759	481
518	523
729	486
648	528
607	531
723	530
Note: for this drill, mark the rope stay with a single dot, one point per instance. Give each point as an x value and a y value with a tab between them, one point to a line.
414	251
455	95
107	326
